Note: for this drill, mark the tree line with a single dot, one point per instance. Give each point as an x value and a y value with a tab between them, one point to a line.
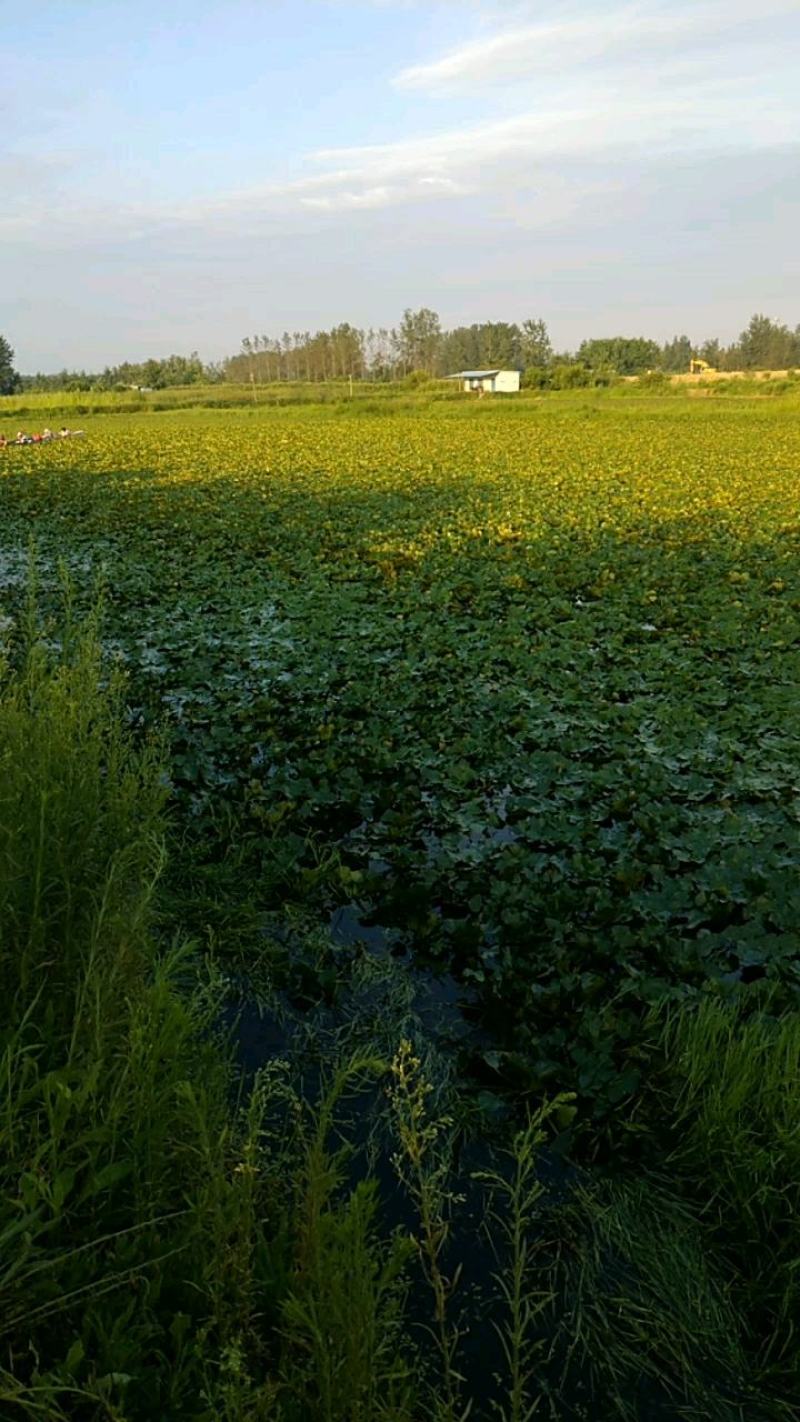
420	344
419	347
130	375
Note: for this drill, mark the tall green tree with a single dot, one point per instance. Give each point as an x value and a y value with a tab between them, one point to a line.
676	355
491	343
768	345
712	351
628	355
419	339
537	348
348	347
461	349
500	344
9	379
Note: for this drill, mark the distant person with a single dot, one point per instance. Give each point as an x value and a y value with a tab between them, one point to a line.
46	433
23	438
3	441
63	432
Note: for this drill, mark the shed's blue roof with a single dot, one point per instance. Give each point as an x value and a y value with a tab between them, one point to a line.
473	374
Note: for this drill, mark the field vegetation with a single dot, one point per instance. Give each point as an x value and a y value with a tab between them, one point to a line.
399	911
417	390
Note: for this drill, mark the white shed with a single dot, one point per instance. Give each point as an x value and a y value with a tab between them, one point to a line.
492	382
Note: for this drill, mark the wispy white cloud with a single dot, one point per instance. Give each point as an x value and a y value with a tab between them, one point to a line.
343	196
671	104
631	33
526	149
605	124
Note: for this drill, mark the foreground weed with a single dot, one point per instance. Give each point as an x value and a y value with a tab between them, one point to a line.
423	1163
514	1216
346	1357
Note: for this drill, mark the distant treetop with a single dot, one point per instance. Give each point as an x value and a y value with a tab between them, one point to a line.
9	380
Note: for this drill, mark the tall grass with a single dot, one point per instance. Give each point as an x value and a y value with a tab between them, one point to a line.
681	1290
732	1091
121	1211
81	835
643	1313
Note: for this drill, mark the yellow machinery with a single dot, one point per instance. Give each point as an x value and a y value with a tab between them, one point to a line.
700	367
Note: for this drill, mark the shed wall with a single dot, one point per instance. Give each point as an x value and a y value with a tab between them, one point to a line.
507	382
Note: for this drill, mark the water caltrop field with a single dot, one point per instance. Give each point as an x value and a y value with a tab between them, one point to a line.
510	690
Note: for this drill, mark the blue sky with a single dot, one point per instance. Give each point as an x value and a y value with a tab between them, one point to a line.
178	176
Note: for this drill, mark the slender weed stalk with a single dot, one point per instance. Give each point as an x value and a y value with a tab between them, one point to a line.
423	1165
346	1357
512	1219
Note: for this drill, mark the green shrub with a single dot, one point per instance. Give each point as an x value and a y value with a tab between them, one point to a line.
570	377
536	377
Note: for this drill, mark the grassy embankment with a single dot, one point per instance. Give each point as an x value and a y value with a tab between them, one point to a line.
66	405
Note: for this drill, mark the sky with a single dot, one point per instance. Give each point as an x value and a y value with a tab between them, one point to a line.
175	177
